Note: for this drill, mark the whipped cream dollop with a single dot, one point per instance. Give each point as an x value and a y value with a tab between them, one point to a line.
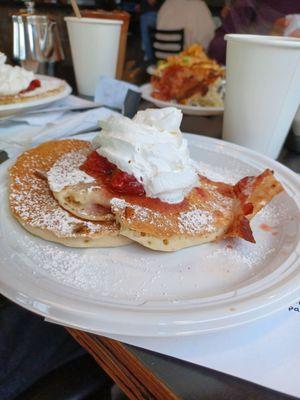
150	147
13	79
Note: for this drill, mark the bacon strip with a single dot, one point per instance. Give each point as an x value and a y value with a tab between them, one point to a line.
252	194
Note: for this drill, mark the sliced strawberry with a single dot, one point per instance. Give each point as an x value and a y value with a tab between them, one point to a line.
36	83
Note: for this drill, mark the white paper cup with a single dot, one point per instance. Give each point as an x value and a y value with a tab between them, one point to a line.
262	90
94	47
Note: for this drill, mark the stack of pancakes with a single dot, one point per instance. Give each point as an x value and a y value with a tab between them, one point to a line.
54	199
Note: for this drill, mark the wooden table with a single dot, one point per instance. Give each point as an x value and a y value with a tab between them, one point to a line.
143	374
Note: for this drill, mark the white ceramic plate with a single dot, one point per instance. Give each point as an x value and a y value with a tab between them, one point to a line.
131	290
147	89
15	108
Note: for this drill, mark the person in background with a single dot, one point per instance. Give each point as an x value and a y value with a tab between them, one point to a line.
226	8
287	26
148	10
191	15
262	17
128	5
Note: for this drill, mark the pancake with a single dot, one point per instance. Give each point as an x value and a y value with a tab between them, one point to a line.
32	204
76	191
211	212
36	94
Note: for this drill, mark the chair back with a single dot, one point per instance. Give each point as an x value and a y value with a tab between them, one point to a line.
166	42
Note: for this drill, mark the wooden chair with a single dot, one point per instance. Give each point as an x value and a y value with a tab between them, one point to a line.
166	42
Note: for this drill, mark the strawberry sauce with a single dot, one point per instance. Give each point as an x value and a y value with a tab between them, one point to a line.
266	228
122	184
115	180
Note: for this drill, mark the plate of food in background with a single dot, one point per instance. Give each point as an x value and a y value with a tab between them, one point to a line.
190	81
22	90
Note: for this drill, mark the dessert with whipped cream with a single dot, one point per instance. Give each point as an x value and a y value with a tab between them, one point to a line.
151	148
139	174
19	85
133	157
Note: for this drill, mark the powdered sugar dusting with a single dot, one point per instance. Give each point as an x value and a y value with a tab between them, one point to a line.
65	172
141	214
195	220
278	212
220	174
190	222
241	252
39	209
32	201
118	203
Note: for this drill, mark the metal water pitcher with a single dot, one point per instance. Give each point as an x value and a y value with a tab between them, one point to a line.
36	41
